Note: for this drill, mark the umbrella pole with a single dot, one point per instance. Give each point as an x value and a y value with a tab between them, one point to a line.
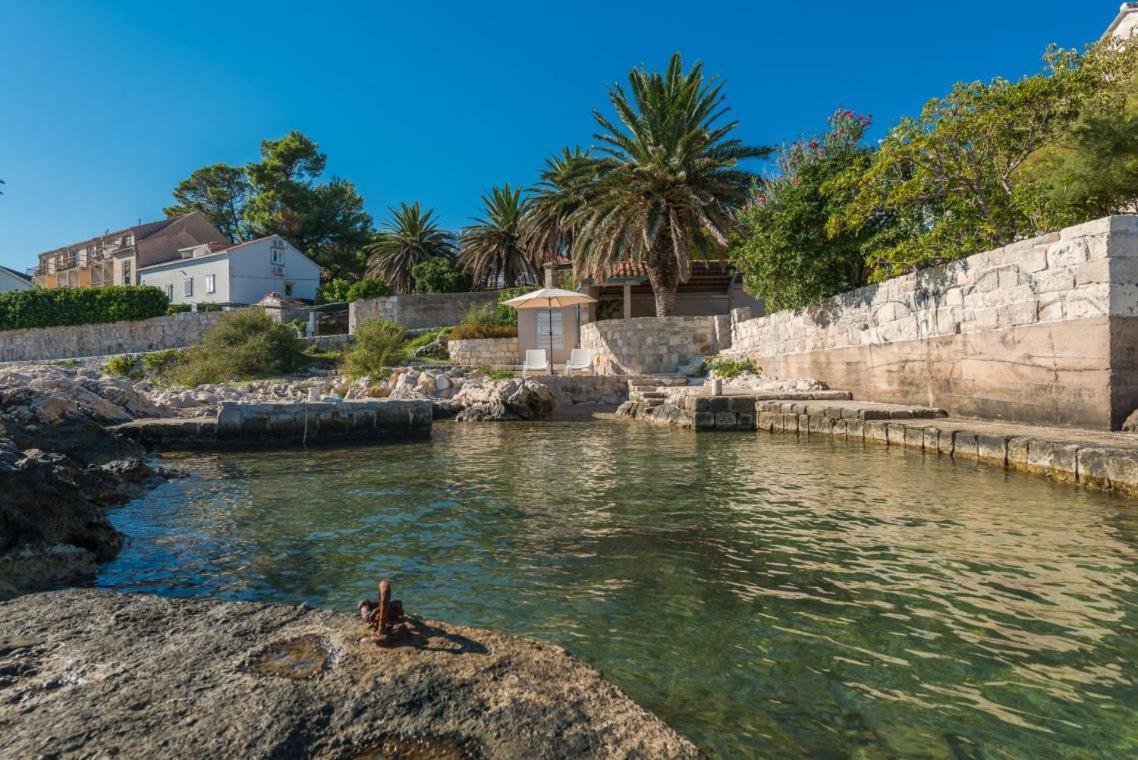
549	311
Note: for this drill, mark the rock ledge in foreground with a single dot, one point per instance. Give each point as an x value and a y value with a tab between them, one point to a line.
100	673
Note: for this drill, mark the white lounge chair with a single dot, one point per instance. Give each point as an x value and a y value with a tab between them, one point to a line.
580	360
535	361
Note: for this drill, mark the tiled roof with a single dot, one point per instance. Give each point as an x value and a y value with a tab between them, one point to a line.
630	269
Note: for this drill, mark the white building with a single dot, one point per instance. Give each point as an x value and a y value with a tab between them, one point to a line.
10	279
235	274
1126	23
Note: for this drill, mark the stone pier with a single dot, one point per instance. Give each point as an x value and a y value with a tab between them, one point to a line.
290	423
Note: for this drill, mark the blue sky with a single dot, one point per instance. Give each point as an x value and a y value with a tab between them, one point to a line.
105	106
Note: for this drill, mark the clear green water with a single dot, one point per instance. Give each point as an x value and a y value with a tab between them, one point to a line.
764	596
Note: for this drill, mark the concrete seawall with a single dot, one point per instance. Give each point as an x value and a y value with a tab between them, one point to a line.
286	424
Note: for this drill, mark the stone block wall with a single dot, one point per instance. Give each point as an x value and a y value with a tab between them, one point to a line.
494	352
418	311
648	345
1041	331
75	341
242	423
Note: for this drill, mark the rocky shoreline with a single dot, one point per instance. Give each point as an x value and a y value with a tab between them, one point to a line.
87	672
95	673
61	468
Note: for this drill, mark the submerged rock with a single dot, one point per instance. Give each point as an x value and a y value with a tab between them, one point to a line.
98	673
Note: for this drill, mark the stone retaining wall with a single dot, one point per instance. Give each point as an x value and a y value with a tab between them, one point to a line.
74	341
647	345
493	352
418	311
322	421
1041	331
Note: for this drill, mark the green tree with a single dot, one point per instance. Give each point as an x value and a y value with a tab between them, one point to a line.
284	194
785	255
492	247
1097	172
956	179
326	220
662	181
409	236
442	274
1092	170
218	191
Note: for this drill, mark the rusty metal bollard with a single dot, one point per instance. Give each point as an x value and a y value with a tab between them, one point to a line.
384	616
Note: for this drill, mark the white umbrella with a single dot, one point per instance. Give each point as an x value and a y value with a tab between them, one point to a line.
549	298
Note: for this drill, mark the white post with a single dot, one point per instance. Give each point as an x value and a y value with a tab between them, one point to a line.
311	323
628	300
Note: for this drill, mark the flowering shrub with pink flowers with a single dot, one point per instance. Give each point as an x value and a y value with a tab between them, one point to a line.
786	255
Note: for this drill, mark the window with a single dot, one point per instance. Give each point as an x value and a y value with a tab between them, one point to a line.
278	253
546	320
211	283
188	287
126	273
169	292
288	288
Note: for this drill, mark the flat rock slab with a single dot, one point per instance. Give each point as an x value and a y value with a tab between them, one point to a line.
95	673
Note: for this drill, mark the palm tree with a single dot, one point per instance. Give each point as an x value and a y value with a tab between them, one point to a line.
408	237
659	182
545	226
492	247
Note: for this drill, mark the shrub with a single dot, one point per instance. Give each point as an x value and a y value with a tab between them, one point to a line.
785	256
369	288
507	315
442	274
484	322
51	307
729	368
426	339
160	362
337	290
379	344
243	345
123	366
477	331
185	308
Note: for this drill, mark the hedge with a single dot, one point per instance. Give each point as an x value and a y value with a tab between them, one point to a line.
53	307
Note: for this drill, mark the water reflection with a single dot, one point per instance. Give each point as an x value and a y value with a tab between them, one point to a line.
762	595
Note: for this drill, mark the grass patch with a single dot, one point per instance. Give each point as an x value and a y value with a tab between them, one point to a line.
730	368
495	374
